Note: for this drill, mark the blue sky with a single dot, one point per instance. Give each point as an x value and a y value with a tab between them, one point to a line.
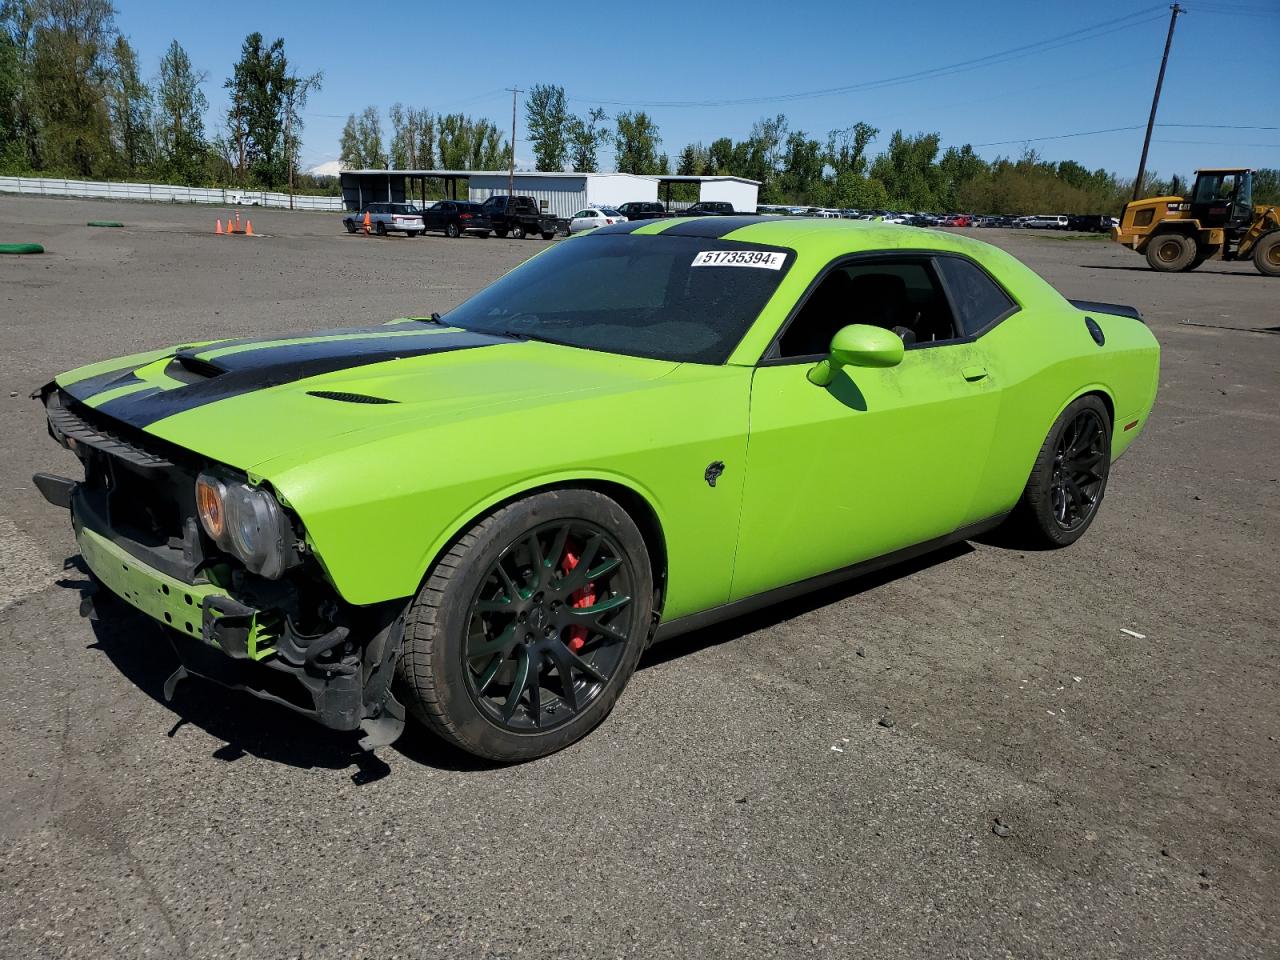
686	63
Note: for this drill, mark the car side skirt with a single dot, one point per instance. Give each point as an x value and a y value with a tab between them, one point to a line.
697	621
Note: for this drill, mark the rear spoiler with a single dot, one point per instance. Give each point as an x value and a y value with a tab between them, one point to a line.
1114	309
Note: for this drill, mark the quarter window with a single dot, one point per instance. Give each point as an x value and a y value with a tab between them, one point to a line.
978	300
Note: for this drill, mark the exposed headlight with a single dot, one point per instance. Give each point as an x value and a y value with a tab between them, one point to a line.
247	522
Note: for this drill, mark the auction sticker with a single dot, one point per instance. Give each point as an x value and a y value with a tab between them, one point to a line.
763	259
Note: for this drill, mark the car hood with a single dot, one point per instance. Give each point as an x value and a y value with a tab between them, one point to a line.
243	402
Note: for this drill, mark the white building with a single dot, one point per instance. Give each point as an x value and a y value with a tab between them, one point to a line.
558	194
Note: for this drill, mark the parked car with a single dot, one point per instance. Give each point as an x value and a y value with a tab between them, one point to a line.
502	506
710	208
387	218
957	220
643	210
592	217
1041	221
519	217
1092	222
456	217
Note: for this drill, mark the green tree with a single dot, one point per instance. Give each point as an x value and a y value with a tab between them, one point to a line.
548	121
635	143
360	147
1266	185
19	145
586	135
258	89
180	107
958	167
467	144
802	165
413	134
70	83
847	148
130	110
908	171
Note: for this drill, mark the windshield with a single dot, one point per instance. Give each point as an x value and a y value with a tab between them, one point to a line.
638	295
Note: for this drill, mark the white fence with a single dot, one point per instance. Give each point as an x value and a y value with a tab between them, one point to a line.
161	192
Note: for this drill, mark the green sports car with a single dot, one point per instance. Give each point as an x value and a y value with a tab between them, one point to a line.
485	517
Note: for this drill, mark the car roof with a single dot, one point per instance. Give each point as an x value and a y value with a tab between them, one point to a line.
816	236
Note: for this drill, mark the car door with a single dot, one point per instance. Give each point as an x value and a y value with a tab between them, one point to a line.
880	460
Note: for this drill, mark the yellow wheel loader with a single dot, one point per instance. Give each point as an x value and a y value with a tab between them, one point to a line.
1218	221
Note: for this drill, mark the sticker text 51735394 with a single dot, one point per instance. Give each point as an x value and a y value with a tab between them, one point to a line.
764	259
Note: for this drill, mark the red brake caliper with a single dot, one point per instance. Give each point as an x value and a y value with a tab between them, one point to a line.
585	596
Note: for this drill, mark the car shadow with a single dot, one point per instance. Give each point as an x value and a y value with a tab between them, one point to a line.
137	647
737	627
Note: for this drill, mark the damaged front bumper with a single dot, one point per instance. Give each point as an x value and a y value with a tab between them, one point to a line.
339	678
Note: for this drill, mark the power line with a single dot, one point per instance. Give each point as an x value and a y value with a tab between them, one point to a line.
1058	136
1080	35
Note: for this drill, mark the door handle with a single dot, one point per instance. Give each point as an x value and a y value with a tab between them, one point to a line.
974	374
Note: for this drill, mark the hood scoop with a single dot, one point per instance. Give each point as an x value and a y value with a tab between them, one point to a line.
344	397
188	368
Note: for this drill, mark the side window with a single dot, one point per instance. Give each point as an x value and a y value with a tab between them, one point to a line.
580	214
900	295
979	301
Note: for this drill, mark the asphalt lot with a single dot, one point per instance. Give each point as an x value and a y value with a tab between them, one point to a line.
711	815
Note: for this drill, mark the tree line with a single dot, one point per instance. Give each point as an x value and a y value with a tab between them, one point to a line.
912	172
74	102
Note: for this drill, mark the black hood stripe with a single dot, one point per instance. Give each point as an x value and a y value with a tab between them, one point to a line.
710	228
259	369
267	341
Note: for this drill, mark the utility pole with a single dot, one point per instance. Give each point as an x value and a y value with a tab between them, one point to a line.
511	174
1155	101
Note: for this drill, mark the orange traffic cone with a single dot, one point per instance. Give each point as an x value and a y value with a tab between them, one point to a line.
368	223
248	228
217	228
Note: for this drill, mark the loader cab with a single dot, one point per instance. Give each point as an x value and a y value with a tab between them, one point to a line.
1222	198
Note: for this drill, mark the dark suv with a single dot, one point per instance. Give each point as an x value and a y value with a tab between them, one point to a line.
709	208
519	216
456	217
643	210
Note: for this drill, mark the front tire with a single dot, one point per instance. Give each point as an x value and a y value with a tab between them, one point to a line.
1068	479
1171	252
554	586
1266	254
351	227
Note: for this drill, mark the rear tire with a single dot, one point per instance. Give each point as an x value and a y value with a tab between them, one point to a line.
517	232
548	236
380	228
451	231
1266	254
486	637
1171	252
501	233
1068	479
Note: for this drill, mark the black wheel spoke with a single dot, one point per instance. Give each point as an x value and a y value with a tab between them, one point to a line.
604	568
503	644
576	577
518	684
489	672
508	584
563	659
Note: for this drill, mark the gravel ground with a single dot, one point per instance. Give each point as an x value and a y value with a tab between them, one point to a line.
821	779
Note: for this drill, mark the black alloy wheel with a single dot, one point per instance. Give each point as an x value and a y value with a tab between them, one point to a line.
549	626
1078	472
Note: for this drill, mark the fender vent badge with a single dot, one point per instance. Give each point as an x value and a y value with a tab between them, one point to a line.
714	469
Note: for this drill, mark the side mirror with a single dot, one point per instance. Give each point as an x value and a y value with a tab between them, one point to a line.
858	345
